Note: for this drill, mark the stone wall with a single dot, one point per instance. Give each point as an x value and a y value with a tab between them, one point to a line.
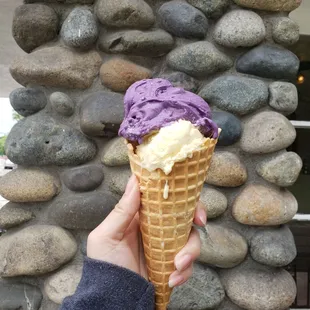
81	57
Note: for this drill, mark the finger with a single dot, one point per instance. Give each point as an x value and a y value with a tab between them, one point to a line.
178	278
200	217
189	253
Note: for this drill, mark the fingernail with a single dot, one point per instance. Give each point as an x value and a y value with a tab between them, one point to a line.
130	184
175	280
183	262
203	217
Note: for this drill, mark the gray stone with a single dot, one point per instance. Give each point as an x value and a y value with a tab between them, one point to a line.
57	67
267	132
285	31
211	8
101	114
84	178
269	61
118	178
236	94
62	1
80	29
273	247
125	13
181	79
214	200
283	97
239	28
198	59
253	286
228	305
115	153
27	101
83	211
13	215
221	247
62	103
40	140
282	169
34	25
230	125
35	250
183	20
203	290
267	5
136	42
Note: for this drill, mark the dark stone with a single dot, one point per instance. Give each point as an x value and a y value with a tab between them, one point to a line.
27	101
236	94
230	125
180	79
84	211
40	140
12	215
183	20
269	61
101	114
62	103
211	8
82	179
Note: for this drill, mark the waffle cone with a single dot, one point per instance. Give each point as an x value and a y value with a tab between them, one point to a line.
166	222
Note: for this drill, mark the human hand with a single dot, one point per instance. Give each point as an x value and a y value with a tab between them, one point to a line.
117	239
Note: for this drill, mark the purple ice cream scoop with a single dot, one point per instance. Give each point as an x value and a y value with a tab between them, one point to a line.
155	103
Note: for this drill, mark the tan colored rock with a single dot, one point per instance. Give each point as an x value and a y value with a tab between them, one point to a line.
115	153
270	5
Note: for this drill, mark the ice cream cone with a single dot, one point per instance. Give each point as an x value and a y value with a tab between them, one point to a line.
168	205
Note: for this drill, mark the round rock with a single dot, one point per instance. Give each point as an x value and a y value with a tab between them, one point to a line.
118	178
282	169
266	5
211	8
115	153
183	20
27	101
236	94
12	215
258	205
198	59
62	103
267	132
226	170
239	28
63	1
285	31
180	79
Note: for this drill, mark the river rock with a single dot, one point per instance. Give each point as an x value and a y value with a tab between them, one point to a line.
118	178
239	28
262	206
267	132
226	170
198	59
62	103
34	25
269	61
101	114
125	13
285	31
282	169
236	94
27	101
266	5
211	8
35	250
118	74
273	247
63	1
181	79
57	67
183	20
13	215
136	42
115	153
228	305
40	140
203	290
221	247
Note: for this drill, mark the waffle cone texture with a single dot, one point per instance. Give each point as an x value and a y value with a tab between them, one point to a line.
166	220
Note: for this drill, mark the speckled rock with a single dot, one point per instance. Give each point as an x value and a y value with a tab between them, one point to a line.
115	153
266	5
63	1
183	20
125	13
214	200
282	169
101	114
181	79
136	42
273	247
285	31
267	132
57	67
198	59
226	170
203	290
211	8
221	247
118	74
35	250
40	140
63	283
83	178
253	286
263	206
117	179
239	28
80	29
283	97
236	94
13	215
269	61
27	101
228	305
62	103
34	25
